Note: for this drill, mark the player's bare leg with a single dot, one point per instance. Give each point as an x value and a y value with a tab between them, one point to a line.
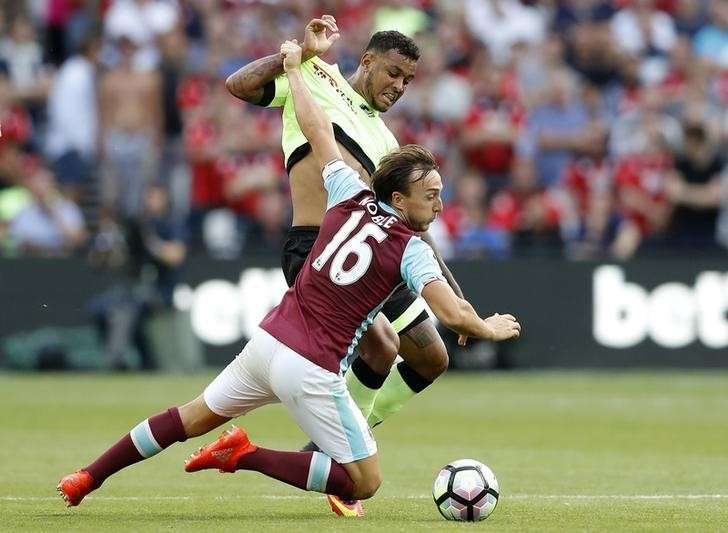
198	419
424	350
145	440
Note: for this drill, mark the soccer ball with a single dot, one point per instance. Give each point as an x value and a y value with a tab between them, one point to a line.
466	490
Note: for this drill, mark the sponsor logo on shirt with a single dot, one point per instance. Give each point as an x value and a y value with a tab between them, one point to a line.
321	73
366	109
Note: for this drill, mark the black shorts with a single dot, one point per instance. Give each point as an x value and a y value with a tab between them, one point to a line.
403	309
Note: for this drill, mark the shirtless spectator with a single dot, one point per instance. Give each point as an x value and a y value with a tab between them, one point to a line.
131	123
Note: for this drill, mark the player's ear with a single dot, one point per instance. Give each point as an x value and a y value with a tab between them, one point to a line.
367	60
397	200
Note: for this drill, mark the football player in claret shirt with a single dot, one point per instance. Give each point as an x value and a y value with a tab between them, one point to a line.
366	249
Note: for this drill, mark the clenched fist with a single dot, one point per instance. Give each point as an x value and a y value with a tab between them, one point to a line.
291	53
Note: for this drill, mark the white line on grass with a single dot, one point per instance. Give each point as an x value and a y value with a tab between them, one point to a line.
407	497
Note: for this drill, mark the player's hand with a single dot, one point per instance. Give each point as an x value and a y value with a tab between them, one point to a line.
315	41
503	327
462	340
291	53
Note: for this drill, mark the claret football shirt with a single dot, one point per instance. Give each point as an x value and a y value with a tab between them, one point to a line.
363	252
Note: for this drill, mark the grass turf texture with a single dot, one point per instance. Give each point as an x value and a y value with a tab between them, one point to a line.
572	451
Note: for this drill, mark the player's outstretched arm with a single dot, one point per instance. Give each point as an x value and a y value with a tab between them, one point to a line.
425	236
458	315
248	82
314	123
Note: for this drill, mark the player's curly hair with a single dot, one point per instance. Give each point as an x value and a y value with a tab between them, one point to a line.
399	169
383	41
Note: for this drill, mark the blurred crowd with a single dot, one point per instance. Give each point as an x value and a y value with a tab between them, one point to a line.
579	128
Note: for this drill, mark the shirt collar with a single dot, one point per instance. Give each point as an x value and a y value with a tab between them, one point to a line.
364	106
362	103
389	209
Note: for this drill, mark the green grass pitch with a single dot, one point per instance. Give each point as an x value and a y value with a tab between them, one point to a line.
572	451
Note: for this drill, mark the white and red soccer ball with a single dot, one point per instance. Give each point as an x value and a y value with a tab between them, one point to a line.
466	490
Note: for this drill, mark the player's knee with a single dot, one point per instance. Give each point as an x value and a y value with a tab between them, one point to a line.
379	348
389	344
368	486
197	419
439	359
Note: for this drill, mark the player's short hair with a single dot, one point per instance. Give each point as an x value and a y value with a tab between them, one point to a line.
399	169
383	41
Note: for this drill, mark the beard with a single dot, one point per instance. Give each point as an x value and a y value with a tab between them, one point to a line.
369	87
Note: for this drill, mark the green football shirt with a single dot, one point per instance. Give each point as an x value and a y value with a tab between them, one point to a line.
358	127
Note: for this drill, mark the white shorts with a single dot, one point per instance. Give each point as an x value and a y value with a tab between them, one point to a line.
268	371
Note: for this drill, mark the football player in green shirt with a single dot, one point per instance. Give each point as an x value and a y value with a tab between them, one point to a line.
354	106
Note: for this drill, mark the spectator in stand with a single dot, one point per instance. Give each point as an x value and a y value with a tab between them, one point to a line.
640	181
141	22
625	96
131	121
690	16
470	234
721	231
528	212
51	225
253	177
24	58
494	95
681	73
405	16
711	42
569	13
203	150
13	199
590	220
591	50
67	24
157	241
491	128
174	52
642	29
533	67
499	24
73	119
17	130
633	132
156	254
695	190
557	129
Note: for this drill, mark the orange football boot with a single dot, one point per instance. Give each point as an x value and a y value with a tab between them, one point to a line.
346	508
222	454
74	487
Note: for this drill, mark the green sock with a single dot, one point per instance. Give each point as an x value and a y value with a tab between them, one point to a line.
364	385
401	385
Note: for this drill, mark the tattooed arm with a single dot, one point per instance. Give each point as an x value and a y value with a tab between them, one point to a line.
462	339
249	82
445	271
458	315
